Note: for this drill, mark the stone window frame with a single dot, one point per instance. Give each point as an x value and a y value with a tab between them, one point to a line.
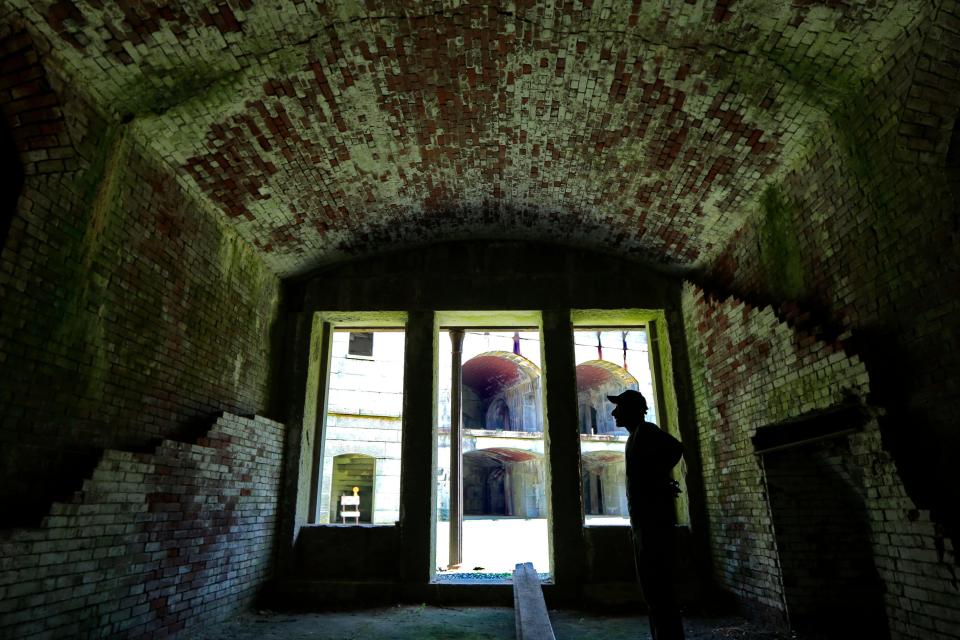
318	380
421	326
653	321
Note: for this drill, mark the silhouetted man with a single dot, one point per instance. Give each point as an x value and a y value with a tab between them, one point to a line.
651	454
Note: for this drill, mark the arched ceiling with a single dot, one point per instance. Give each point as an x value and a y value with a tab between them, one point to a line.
327	130
499	456
596	460
594	373
490	373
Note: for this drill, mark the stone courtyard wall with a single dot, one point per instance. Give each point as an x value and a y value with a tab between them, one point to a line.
365	417
374	436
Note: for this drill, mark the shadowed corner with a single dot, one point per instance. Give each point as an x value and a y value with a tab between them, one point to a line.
12	170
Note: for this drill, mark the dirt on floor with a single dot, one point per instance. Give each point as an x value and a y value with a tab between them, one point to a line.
461	623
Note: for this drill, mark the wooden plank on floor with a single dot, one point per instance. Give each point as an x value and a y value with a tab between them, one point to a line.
529	608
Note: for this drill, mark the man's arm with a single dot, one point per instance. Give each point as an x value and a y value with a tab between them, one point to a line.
669	454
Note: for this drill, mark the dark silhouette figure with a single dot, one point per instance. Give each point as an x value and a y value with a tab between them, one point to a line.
651	454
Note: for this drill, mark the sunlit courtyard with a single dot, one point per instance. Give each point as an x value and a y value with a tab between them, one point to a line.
498	544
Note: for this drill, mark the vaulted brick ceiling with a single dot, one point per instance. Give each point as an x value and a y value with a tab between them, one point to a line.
646	128
490	373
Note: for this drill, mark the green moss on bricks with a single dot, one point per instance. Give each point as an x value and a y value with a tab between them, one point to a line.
805	393
849	106
159	93
779	248
238	264
673	416
858	150
215	88
698	361
80	314
90	180
841	96
108	198
858	136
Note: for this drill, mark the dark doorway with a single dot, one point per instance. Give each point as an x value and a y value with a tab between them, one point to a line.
484	490
831	585
503	482
593	494
12	171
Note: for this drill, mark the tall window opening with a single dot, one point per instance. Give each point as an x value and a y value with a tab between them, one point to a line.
492	510
609	361
362	434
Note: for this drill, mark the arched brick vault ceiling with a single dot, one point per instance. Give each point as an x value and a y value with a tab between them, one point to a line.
499	456
596	460
593	373
490	373
321	132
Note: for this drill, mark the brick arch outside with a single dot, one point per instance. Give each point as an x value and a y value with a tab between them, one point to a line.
505	388
597	379
504	481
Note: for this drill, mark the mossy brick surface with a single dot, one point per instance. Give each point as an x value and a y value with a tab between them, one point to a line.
328	131
188	543
796	162
130	312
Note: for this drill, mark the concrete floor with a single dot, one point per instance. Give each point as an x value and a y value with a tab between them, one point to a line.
460	623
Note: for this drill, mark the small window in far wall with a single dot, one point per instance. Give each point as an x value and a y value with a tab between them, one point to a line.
361	344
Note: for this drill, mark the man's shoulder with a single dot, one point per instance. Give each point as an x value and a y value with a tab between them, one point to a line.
655	433
650	429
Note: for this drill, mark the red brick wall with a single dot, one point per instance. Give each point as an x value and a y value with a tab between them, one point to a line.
861	234
154	543
817	504
749	370
127	311
855	245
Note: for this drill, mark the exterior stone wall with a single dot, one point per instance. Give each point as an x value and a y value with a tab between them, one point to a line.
595	408
364	417
749	370
526	476
154	543
528	482
515	489
602	458
375	436
129	312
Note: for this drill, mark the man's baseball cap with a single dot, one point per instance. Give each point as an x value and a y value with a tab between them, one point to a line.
628	398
